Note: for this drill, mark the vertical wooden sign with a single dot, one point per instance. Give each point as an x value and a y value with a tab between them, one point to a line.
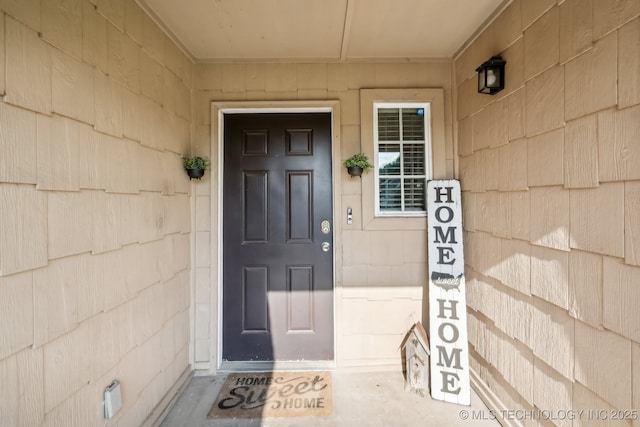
447	295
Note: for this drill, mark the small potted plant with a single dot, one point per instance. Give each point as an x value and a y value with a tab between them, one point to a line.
195	166
357	164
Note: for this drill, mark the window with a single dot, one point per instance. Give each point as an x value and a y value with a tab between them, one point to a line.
402	157
436	164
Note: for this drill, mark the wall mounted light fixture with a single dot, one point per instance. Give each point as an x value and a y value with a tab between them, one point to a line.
491	76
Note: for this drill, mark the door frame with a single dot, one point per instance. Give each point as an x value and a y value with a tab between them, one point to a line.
218	110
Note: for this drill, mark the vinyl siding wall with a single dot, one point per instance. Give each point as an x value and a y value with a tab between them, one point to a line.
94	211
550	170
381	268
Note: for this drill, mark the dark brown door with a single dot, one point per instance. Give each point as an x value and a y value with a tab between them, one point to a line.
278	260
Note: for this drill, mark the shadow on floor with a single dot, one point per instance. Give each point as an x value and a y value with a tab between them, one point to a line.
367	399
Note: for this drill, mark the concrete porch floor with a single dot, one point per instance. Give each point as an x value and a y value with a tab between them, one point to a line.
368	399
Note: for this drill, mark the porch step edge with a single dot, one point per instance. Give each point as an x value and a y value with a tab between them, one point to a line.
492	401
161	410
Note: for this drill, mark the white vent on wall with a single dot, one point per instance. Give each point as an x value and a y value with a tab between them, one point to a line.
112	399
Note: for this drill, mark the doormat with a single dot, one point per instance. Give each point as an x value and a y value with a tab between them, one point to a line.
274	394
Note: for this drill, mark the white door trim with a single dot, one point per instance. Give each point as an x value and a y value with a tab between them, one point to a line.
218	109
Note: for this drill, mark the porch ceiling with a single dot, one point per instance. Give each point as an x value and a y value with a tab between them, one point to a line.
328	30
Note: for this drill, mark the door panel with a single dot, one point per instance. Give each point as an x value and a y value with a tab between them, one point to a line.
299	204
254	213
278	280
300	302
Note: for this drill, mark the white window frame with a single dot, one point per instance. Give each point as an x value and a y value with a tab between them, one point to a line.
441	166
427	152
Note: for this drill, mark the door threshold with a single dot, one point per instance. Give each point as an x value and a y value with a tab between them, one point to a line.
248	366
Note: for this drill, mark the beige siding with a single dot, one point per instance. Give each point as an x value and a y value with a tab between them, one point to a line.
570	168
380	265
94	226
28	66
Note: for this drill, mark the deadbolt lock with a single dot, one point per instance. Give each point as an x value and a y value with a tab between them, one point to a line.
325	227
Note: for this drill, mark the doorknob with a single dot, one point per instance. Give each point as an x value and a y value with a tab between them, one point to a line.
326	246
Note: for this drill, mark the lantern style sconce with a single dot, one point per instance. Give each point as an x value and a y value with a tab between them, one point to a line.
491	76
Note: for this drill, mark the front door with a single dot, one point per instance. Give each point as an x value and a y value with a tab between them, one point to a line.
277	237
